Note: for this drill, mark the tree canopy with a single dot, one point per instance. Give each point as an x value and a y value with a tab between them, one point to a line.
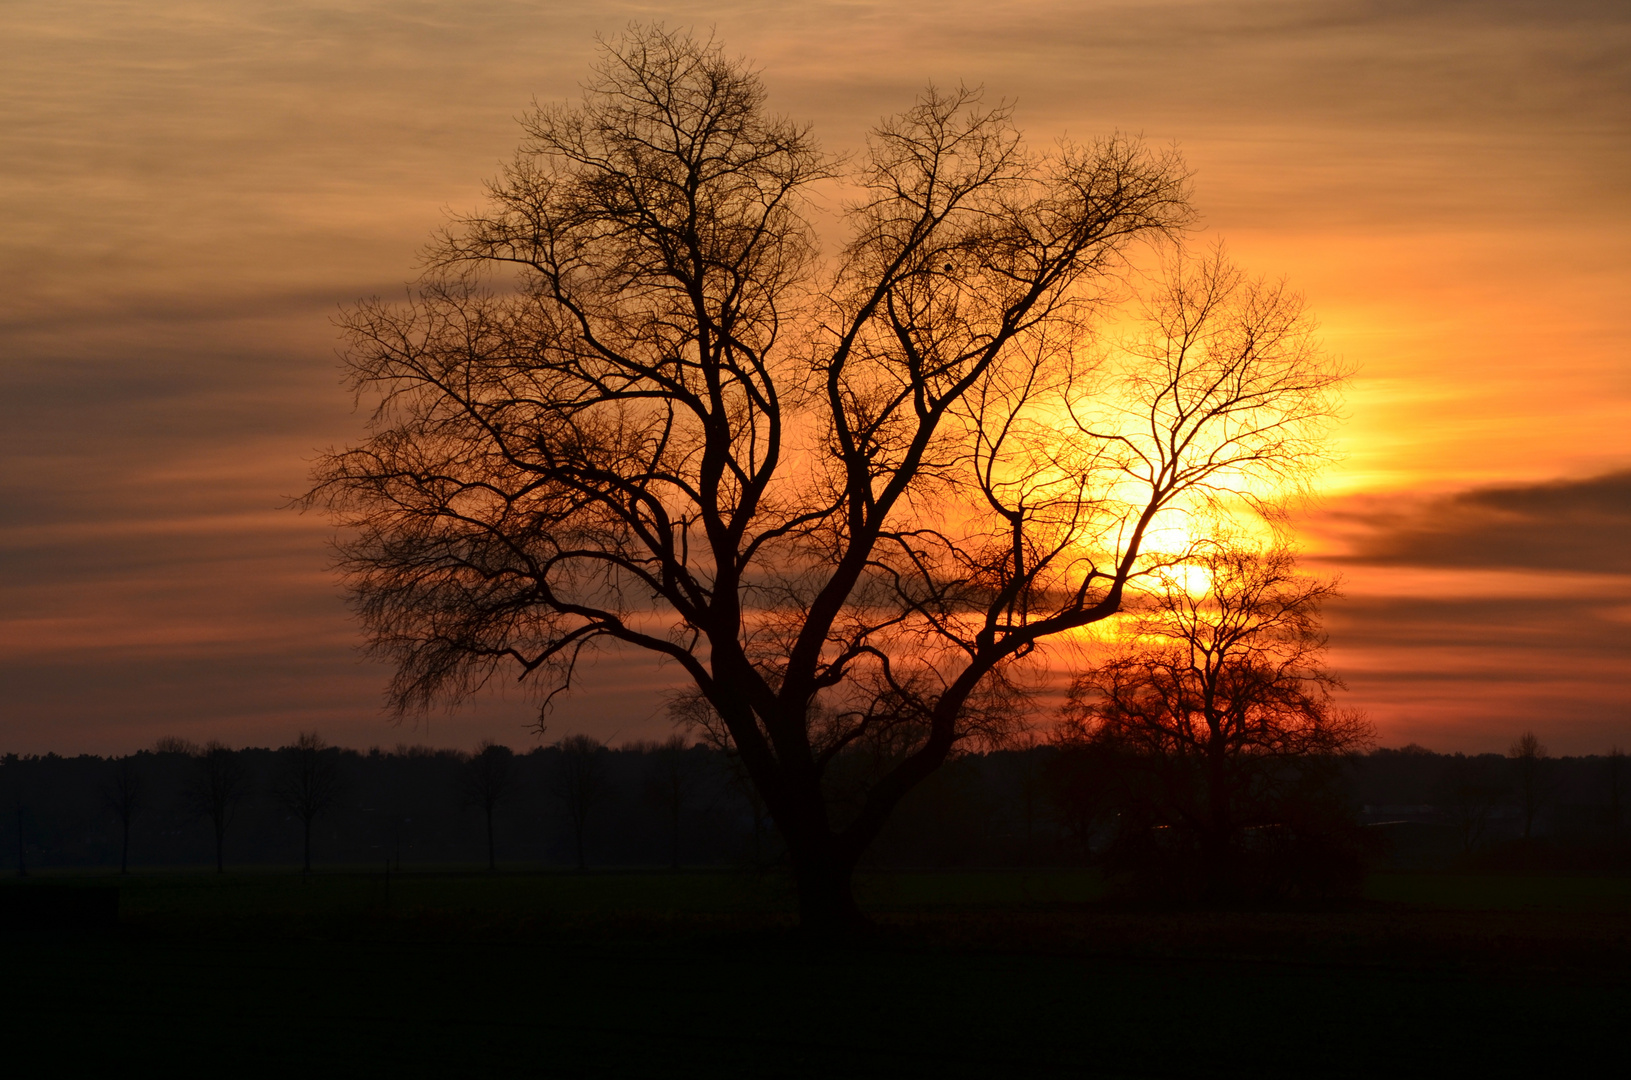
848	493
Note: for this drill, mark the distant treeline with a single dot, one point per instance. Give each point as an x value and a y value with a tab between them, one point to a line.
579	803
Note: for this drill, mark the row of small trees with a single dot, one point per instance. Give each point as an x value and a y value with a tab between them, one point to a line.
1474	792
305	787
1058	802
307	783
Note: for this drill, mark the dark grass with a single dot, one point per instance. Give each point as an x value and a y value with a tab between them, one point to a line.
668	974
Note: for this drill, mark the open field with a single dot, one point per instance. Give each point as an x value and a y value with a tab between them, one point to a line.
968	974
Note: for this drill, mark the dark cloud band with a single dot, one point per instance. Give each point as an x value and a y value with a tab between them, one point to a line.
1574	525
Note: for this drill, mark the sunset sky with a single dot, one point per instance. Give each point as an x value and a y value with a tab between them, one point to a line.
192	189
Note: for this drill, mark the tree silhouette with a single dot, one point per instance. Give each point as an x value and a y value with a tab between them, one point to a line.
307	786
488	778
123	795
1222	701
220	782
580	784
630	402
1471	792
1532	787
673	775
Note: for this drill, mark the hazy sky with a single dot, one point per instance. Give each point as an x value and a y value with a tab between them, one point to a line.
189	190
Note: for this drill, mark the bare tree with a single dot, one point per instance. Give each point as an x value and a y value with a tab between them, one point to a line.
1222	697
580	784
1471	792
849	497
488	777
1533	777
672	780
307	786
220	782
124	797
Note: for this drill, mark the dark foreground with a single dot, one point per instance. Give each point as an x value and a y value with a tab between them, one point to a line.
999	974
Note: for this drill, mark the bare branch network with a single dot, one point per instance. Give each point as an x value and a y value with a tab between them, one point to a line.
848	494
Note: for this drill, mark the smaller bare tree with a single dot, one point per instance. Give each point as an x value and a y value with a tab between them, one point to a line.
580	783
672	782
1221	701
307	786
488	779
1532	775
220	782
1471	793
124	798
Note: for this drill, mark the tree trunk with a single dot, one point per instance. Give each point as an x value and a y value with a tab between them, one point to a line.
823	875
1216	844
220	843
492	859
305	846
826	892
124	847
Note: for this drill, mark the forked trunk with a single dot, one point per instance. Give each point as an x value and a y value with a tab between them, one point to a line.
826	892
824	860
823	876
